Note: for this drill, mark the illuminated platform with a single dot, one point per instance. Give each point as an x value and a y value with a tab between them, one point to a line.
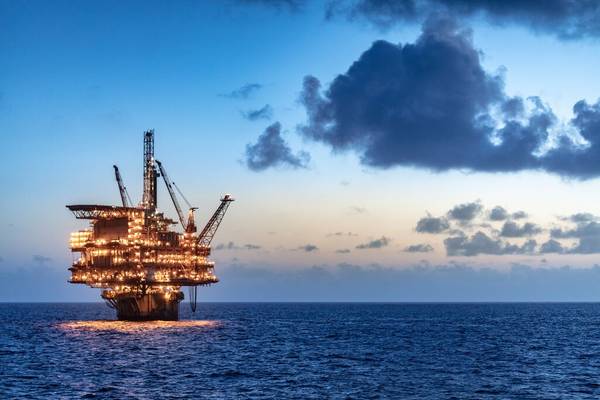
135	256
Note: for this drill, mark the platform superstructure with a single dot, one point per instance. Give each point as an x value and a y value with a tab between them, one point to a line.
134	254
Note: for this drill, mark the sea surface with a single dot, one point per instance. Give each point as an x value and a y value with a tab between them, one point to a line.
303	351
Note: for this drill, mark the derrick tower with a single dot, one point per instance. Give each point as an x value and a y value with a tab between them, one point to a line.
133	254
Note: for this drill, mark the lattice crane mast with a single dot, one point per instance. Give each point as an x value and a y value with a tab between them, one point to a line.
122	189
207	234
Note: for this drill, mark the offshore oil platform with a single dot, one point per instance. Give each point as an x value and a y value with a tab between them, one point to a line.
134	255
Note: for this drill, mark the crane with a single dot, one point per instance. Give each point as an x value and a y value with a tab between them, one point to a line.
181	194
122	189
207	234
171	193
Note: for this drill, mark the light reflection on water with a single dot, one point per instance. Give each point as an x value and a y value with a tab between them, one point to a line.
134	326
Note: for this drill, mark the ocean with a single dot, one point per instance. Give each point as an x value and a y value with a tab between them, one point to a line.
303	351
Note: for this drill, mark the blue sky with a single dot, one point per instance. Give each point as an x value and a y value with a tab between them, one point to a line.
81	81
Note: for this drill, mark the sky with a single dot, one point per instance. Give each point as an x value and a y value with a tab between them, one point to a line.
378	151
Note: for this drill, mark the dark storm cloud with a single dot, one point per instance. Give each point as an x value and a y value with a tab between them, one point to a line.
480	243
375	244
432	105
309	248
551	246
244	92
465	212
41	259
498	214
431	224
513	230
271	150
265	112
566	19
419	248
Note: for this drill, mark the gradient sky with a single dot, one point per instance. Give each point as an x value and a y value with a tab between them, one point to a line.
81	81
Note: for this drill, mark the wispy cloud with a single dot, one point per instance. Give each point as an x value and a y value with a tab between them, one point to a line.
419	248
243	92
341	234
375	244
357	210
263	113
308	248
233	246
41	259
287	5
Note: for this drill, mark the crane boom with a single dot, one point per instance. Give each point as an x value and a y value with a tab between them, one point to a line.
171	193
207	234
122	189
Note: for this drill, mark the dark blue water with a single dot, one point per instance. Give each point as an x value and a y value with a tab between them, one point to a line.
276	351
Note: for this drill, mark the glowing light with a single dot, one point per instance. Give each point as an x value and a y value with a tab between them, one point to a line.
120	264
135	327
